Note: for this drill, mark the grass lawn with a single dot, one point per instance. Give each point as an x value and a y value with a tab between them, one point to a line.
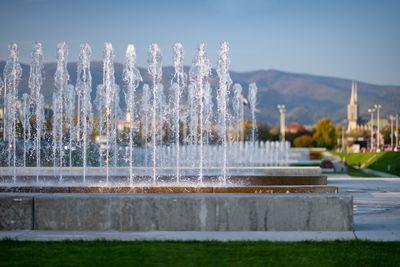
375	161
107	253
354	172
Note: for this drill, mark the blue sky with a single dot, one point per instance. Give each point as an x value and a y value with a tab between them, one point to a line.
357	39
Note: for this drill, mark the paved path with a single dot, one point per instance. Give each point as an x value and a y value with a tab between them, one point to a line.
378	173
376	217
376	205
382	235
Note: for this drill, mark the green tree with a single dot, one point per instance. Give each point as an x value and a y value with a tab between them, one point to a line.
304	140
324	135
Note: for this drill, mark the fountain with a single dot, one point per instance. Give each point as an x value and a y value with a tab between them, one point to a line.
187	137
83	89
179	123
108	89
12	76
223	91
132	78
155	71
199	73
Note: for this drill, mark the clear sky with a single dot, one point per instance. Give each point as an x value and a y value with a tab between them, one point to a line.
357	39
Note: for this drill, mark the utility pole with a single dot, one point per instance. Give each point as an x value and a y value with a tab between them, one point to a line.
378	133
282	110
371	111
397	132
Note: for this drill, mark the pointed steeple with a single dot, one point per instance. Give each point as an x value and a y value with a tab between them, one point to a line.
353	97
352	109
355	93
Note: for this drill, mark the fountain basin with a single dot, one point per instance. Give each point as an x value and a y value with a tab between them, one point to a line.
168	189
120	176
176	212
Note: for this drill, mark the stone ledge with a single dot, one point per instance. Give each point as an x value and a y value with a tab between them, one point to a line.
197	212
176	212
16	212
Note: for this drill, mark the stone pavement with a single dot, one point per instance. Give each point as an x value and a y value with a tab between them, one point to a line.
376	206
378	173
376	217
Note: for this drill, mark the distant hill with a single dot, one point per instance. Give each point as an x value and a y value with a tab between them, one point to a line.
307	97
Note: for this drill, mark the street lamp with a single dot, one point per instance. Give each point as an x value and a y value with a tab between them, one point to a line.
378	133
371	111
397	132
391	117
282	110
343	137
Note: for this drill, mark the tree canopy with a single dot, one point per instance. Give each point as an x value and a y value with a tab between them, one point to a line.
325	134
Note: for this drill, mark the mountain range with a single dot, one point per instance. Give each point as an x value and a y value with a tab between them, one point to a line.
307	97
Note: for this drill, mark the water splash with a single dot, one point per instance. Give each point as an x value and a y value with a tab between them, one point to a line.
132	79
69	122
223	92
145	115
114	131
61	78
253	101
109	95
159	111
83	89
199	72
238	111
25	125
99	109
36	98
178	83
155	71
12	77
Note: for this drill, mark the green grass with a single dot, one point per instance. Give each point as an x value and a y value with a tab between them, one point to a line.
305	165
375	161
354	172
105	253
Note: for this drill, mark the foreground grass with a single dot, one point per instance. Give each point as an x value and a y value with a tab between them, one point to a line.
379	161
106	253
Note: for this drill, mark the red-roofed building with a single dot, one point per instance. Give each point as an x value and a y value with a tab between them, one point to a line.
294	128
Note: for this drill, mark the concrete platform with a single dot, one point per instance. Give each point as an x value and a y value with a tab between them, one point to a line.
177	212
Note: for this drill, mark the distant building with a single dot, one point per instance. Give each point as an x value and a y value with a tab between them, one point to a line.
352	110
294	128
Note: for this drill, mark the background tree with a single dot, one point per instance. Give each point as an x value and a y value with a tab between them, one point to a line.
324	135
304	140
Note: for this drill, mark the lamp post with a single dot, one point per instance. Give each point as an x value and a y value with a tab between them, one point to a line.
282	110
343	137
371	111
397	132
378	132
391	117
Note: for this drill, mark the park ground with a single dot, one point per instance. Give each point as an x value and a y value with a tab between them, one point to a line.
376	217
371	164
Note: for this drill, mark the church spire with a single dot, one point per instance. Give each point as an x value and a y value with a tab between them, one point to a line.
352	109
353	97
355	92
